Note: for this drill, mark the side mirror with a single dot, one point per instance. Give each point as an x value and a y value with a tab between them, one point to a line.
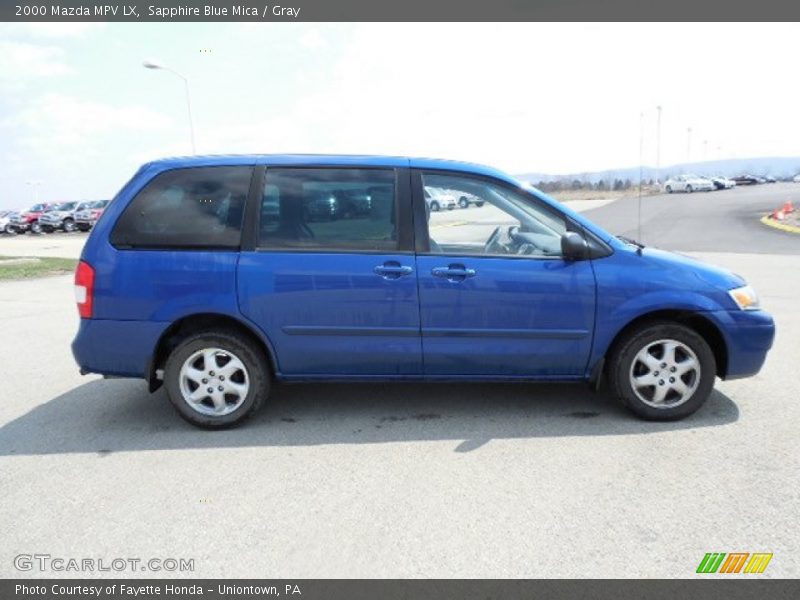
573	246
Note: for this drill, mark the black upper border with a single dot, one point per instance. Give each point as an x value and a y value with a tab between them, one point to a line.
407	11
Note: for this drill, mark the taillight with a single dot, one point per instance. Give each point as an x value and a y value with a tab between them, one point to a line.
84	289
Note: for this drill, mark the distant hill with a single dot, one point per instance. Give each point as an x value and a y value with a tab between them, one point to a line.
778	167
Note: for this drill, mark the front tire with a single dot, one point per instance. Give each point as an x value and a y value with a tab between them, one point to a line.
68	226
463	202
669	189
216	379
689	189
662	371
36	227
435	206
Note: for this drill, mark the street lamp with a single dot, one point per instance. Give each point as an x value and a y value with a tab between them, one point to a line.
149	64
658	143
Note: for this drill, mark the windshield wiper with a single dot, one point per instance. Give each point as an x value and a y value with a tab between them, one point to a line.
632	242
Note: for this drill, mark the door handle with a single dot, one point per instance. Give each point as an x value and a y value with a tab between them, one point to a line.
392	270
453	272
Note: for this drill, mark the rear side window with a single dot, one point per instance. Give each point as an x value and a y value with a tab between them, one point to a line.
329	208
187	208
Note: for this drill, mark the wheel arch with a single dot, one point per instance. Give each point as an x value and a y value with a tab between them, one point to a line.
702	325
180	329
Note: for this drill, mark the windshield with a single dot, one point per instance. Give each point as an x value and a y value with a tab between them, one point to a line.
64	206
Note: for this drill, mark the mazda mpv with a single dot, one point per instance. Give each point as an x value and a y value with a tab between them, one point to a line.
206	275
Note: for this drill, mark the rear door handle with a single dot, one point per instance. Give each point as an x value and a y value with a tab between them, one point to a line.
392	270
453	272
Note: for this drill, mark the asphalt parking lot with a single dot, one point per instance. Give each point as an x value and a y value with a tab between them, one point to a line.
411	480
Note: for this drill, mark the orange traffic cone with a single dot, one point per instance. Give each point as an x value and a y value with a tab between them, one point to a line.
778	214
787	207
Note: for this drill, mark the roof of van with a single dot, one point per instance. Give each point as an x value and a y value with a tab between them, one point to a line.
337	160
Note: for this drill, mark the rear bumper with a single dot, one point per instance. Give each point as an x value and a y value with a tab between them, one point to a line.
748	336
119	348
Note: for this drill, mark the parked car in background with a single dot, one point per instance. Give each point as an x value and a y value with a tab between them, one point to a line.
796	178
769	179
437	199
28	220
4	219
181	283
746	180
86	217
61	216
464	200
688	184
722	183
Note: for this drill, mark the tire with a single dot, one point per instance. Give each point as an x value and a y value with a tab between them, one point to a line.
194	352
435	206
36	227
689	189
479	203
83	227
650	340
46	229
10	230
463	202
669	189
69	225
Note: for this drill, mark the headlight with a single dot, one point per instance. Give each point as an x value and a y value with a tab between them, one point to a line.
745	298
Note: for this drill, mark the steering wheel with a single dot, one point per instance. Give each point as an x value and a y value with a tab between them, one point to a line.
494	240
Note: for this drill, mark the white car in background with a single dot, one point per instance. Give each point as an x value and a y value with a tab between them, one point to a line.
688	184
4	219
796	179
722	183
439	199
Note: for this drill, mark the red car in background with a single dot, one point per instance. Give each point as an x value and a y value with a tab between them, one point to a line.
28	220
86	218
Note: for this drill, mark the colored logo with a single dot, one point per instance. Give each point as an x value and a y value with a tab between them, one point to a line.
734	562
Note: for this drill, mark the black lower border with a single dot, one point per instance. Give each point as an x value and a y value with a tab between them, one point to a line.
732	588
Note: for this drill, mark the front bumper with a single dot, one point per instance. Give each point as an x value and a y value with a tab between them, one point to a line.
748	336
20	225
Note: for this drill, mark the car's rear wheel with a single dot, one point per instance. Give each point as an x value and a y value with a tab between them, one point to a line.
435	206
36	227
216	379
83	227
10	230
69	225
662	371
669	189
463	202
689	189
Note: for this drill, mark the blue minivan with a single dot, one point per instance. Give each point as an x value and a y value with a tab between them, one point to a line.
214	276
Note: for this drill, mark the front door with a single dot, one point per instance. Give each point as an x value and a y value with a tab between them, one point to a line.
332	280
496	297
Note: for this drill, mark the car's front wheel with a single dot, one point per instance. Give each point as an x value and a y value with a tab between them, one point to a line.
435	206
662	371
69	225
669	189
216	379
463	202
689	189
36	227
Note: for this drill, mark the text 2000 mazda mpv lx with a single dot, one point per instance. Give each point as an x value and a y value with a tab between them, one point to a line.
210	275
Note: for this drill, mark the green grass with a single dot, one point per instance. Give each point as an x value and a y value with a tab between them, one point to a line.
42	267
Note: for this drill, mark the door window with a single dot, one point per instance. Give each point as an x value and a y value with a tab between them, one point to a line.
498	221
327	208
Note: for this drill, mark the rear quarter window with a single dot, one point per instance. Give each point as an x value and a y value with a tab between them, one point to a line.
187	208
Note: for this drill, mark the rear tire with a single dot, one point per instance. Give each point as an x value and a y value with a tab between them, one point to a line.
36	227
463	202
69	225
229	364
662	371
435	206
689	189
669	189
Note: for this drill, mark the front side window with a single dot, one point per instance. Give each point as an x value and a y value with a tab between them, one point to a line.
498	220
187	208
329	208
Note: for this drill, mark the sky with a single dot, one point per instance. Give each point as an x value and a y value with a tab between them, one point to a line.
79	113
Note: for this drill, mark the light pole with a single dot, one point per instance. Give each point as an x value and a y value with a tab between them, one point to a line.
658	142
149	64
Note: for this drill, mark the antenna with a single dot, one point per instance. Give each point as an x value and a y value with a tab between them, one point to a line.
641	159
